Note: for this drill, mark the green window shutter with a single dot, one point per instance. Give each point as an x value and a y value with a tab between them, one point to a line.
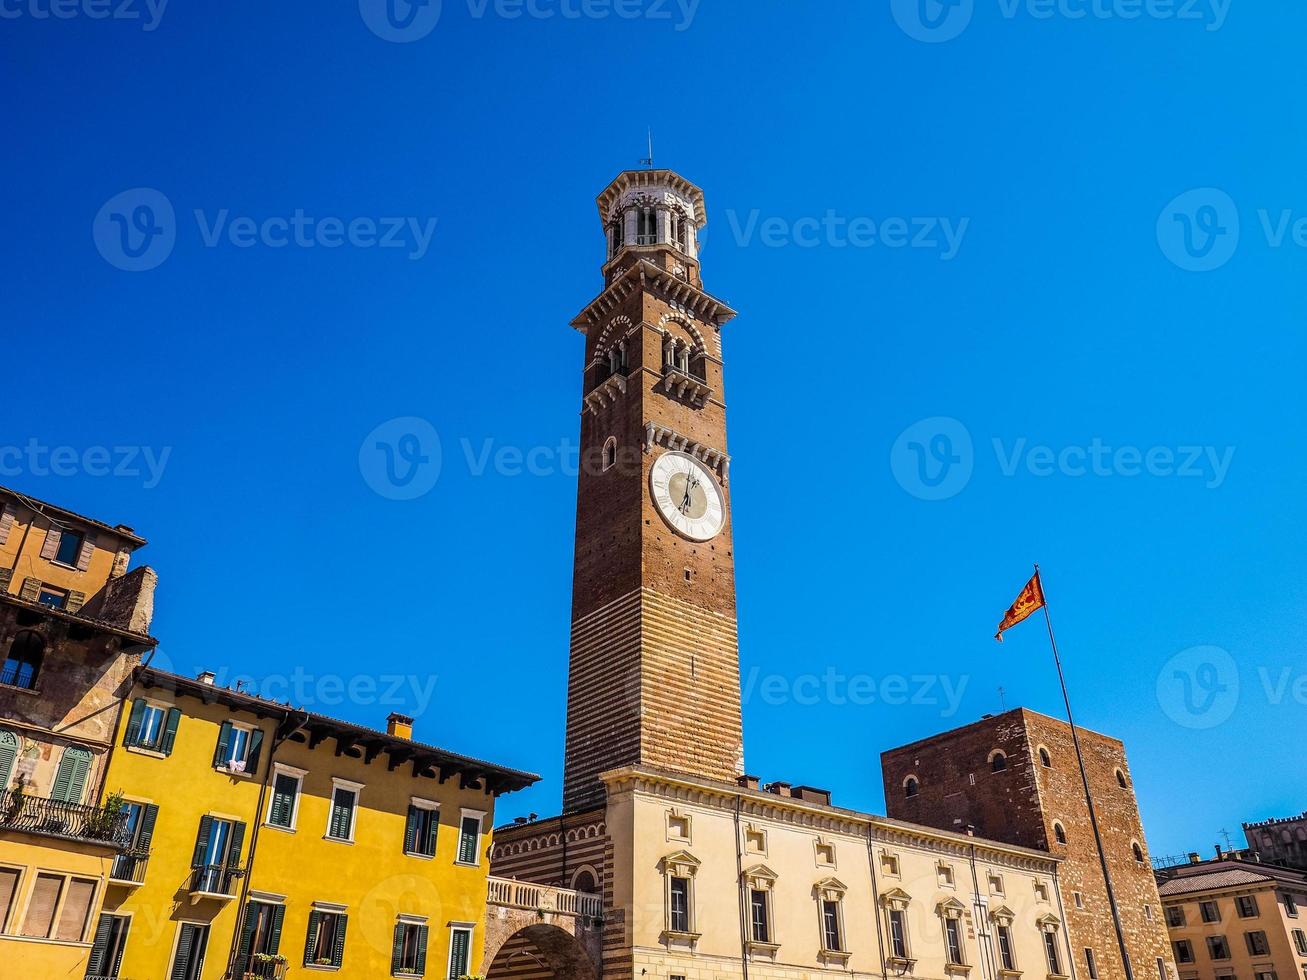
224	737
274	934
311	940
149	813
8	753
341	813
124	927
283	800
411	830
202	841
133	733
256	746
397	949
422	950
185	943
170	730
338	953
96	966
237	839
467	844
70	780
459	947
248	925
432	829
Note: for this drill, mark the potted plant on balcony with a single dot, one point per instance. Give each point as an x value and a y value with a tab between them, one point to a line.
104	820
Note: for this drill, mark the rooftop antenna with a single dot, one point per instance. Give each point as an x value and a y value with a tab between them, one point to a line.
1229	845
648	161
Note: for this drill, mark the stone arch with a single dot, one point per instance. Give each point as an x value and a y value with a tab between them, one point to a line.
541	950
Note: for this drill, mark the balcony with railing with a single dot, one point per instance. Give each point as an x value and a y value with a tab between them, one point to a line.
129	868
514	894
263	966
214	881
56	818
686	380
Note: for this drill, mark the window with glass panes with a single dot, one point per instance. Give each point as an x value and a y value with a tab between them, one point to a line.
107	949
830	926
679	919
325	943
1006	957
408	957
420	831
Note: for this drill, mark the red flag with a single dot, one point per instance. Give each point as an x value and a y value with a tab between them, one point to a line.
1030	599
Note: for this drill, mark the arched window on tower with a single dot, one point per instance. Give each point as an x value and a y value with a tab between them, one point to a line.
610	452
1045	759
22	664
584	882
1059	833
682	233
647	227
911	787
1137	851
997	761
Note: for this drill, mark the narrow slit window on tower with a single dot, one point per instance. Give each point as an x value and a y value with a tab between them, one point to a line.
647	227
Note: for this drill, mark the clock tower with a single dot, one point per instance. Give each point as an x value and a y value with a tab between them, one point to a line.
654	675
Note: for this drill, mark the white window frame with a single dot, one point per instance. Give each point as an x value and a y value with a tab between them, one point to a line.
470	929
407	919
281	769
163	708
357	790
224	766
463	814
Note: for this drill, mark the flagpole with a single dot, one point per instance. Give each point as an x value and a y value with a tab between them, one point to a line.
1084	780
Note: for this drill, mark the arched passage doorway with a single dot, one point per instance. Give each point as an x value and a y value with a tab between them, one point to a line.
541	952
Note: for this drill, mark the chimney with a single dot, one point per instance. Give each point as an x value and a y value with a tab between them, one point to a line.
811	794
1195	858
779	788
1219	855
401	726
748	782
205	677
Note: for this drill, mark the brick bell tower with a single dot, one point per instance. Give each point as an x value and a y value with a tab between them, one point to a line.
654	673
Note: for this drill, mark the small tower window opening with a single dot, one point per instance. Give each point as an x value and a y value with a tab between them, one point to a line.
682	232
1045	759
998	762
1137	851
911	787
615	238
1120	779
1059	833
610	453
22	664
647	227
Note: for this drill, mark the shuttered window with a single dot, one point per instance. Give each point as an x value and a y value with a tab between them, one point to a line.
41	907
408	958
285	792
6	522
420	833
344	801
76	911
188	958
68	548
8	890
70	779
469	840
460	948
110	941
8	755
325	943
152	726
260	935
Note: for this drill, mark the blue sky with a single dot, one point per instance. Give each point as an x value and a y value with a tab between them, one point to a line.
1084	308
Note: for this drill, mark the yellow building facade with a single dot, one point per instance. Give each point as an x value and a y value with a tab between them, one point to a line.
272	842
73	624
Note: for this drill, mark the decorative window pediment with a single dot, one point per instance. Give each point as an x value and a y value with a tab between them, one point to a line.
1048	923
1003	915
681	864
830	890
760	877
951	908
896	899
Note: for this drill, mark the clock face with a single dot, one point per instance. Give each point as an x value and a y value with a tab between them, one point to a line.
687	496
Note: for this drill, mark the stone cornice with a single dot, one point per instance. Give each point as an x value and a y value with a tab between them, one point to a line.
645	275
797	813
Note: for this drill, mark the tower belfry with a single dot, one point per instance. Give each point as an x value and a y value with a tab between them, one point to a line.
654	668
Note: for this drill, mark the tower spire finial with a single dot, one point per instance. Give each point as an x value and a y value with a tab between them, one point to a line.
648	161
